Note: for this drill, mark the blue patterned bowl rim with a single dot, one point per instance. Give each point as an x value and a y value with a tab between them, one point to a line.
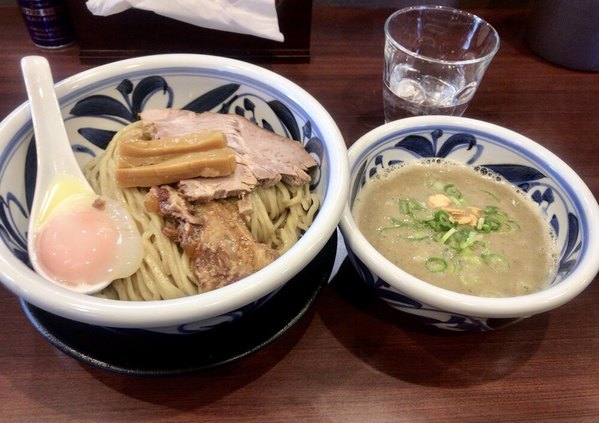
522	306
23	282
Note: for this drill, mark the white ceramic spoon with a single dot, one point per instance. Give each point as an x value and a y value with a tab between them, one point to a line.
76	238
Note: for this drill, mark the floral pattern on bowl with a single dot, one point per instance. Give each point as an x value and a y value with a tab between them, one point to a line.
96	112
557	201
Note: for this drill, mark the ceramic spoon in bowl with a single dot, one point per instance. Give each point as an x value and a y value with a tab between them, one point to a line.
76	239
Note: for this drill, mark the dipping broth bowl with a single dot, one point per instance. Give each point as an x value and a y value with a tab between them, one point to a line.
563	198
98	102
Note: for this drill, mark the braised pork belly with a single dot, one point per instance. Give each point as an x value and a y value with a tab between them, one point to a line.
263	157
214	236
206	215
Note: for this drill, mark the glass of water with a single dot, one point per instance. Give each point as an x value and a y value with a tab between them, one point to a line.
435	58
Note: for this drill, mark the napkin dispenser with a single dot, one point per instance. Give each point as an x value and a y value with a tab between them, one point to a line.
136	32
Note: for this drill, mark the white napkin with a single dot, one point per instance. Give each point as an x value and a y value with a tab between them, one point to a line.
253	17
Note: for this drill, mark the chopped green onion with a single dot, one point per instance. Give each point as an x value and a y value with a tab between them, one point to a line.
473	260
398	222
447	235
436	264
490	194
451	190
496	261
408	206
469	280
472	238
511	226
466	246
395	223
403	206
455	194
493	224
440	221
479	223
417	236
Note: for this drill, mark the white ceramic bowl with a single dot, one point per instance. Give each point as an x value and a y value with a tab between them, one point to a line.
562	196
95	104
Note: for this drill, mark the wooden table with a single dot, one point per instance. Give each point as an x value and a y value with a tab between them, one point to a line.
351	358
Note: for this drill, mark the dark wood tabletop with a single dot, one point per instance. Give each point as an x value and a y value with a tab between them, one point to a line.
350	358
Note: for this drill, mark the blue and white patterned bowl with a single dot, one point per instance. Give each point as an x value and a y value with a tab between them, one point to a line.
564	199
98	102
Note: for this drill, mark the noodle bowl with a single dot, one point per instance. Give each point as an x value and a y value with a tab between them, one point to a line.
563	200
101	101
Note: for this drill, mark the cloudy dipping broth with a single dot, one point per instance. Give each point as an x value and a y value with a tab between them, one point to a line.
459	227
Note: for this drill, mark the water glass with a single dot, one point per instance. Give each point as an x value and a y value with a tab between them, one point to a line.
435	58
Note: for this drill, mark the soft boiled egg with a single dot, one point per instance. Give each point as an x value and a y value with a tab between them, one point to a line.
84	241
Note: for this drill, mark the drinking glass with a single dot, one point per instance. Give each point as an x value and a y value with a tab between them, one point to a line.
435	59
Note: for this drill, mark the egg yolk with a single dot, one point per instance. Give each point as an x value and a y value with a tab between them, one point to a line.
78	246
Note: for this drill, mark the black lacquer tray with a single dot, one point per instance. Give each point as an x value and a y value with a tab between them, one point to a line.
152	354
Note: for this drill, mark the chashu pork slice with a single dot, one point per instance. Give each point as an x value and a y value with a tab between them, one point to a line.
214	236
263	157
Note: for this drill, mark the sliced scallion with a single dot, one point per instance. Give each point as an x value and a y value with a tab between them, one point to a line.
452	191
436	264
417	236
496	262
490	194
490	210
480	223
455	194
440	221
493	224
469	241
448	235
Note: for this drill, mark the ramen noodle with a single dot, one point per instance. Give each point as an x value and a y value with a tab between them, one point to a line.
281	213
